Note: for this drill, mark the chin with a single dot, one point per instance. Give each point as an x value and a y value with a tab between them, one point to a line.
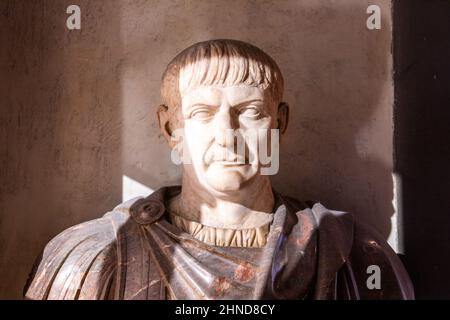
228	182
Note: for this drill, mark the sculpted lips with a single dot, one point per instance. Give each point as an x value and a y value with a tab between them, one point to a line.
230	164
220	157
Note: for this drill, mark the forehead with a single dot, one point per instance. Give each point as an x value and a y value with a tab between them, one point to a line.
216	95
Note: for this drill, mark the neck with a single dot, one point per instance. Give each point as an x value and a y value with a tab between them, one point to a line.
246	208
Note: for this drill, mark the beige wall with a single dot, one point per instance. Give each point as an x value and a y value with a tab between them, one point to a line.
77	107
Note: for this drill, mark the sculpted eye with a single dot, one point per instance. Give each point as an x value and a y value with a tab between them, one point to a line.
250	112
201	114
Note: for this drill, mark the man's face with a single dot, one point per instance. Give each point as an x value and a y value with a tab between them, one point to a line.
214	118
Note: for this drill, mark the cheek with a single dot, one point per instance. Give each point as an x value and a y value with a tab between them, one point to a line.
198	129
263	123
257	134
197	137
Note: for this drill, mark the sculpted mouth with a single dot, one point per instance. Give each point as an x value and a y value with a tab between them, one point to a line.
231	159
231	163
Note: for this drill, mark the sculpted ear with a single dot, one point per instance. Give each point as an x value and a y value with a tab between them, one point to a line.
164	124
282	117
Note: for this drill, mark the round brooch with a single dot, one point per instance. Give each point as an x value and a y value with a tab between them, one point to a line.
145	211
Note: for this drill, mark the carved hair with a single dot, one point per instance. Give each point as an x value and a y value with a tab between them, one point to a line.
220	62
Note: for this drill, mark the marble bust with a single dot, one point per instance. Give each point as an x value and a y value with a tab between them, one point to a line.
224	233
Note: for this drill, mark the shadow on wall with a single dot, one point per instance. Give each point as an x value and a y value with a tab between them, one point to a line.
422	141
338	148
60	115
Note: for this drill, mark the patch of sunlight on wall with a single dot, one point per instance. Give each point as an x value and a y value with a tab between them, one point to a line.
395	238
132	189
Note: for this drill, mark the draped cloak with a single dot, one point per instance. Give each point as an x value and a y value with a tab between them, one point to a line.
134	252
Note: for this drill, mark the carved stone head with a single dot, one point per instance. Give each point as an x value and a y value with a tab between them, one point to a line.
221	95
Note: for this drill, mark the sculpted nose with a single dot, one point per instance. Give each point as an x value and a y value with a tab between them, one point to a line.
224	126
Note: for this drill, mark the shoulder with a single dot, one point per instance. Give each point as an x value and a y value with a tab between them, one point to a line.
80	262
356	251
371	255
